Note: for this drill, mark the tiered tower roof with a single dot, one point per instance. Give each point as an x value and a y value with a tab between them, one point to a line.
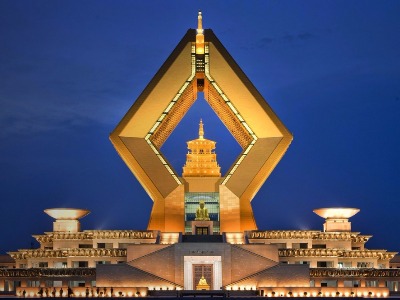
201	161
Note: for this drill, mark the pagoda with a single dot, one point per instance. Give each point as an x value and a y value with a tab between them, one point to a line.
201	161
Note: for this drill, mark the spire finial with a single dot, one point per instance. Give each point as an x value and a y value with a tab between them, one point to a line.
199	22
200	34
201	130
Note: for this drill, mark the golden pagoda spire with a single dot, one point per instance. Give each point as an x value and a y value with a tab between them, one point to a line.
200	34
201	130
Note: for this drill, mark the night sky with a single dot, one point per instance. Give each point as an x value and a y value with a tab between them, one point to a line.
70	70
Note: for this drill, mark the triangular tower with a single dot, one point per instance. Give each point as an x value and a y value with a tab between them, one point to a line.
200	63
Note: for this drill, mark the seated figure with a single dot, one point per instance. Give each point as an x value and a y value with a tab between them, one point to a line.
202	212
202	281
203	285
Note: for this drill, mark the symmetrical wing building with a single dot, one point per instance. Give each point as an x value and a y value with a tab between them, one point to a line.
202	238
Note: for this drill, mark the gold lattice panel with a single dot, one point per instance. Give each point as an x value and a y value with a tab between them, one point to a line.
227	117
176	114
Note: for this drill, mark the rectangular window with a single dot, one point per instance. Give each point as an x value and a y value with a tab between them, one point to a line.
43	265
365	265
302	262
80	264
85	246
76	283
321	246
33	283
324	264
344	264
60	264
103	262
371	283
351	283
105	245
329	283
393	286
299	245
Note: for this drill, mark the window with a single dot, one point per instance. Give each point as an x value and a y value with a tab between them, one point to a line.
103	262
324	264
60	264
365	265
32	283
105	245
299	245
393	286
321	246
76	283
80	264
43	265
302	262
351	283
371	283
329	283
85	246
344	264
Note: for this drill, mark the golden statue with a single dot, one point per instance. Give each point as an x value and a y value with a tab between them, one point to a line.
202	212
203	285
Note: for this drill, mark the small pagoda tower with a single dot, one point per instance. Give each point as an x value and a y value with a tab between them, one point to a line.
201	160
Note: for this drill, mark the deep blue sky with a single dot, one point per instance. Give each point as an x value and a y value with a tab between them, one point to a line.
71	69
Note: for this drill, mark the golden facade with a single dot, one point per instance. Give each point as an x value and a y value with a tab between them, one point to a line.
201	63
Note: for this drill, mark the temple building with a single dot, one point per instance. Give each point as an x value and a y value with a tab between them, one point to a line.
202	238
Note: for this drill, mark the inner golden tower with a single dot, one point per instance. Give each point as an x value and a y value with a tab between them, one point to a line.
201	161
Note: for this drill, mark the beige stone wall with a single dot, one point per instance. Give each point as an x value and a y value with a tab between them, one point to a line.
279	275
124	275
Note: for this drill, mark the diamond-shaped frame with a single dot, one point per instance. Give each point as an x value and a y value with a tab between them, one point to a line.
170	94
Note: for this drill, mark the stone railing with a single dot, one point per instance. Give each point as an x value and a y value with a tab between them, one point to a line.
308	234
96	234
379	254
328	272
47	272
83	252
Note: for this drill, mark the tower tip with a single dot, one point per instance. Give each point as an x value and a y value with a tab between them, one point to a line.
201	130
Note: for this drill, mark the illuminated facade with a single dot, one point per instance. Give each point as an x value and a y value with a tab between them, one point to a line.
202	236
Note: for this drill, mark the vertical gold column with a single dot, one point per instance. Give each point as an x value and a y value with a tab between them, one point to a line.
229	210
157	217
175	210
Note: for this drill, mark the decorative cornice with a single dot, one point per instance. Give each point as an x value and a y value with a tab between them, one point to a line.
73	252
48	272
308	234
281	234
379	254
96	234
323	272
